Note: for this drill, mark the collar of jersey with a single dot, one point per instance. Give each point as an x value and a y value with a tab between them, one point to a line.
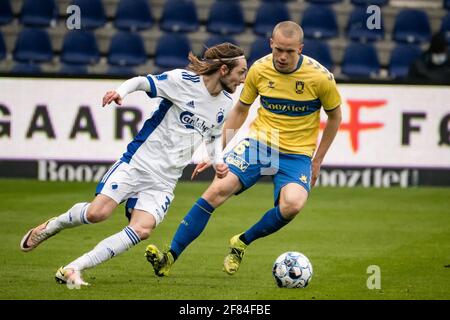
202	80
299	64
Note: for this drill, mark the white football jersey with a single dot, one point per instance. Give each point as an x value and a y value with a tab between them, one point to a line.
187	115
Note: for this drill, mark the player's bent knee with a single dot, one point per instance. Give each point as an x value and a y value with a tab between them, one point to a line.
289	209
215	196
292	200
218	193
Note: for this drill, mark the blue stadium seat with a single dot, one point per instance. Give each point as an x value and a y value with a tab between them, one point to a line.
127	49
38	13
259	48
320	51
268	15
172	51
92	13
324	1
357	26
447	4
370	2
73	69
445	27
226	18
26	69
133	15
80	47
33	45
401	58
217	39
6	15
412	26
2	48
319	22
179	16
360	61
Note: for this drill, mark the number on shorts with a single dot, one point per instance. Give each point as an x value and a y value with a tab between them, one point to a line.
240	148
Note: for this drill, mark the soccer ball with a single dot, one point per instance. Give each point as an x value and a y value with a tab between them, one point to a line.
292	270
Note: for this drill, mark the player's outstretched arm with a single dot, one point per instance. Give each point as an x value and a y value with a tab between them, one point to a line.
330	131
234	122
129	86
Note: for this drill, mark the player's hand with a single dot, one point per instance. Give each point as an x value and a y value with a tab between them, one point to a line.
221	170
202	166
315	171
111	96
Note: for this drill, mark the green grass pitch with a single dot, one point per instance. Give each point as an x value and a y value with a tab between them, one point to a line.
406	232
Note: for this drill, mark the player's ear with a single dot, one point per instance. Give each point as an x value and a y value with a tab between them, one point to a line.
224	70
300	49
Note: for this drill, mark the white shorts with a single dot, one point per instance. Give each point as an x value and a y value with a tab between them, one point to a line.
141	190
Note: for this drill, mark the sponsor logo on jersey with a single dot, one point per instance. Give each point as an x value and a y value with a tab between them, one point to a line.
285	107
290	107
191	121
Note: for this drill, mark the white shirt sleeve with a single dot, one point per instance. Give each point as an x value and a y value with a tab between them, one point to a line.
165	85
133	84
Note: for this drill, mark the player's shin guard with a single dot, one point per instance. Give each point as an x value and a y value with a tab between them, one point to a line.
271	222
74	217
106	249
191	226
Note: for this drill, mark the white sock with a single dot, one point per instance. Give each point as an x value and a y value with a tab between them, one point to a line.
106	249
74	217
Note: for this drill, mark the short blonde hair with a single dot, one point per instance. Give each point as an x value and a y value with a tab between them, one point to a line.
289	29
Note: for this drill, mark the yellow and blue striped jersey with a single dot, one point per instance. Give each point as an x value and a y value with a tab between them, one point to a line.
289	113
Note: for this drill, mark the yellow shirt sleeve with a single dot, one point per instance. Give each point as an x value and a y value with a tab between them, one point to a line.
250	91
329	95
